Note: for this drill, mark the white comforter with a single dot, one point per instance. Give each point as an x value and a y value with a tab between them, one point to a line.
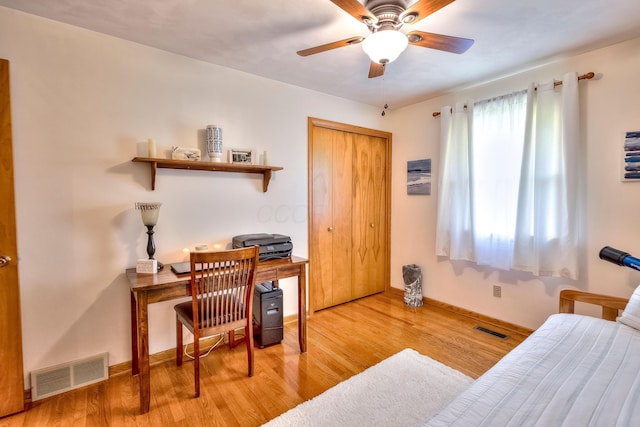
573	371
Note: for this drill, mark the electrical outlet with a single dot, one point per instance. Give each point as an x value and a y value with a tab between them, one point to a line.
497	291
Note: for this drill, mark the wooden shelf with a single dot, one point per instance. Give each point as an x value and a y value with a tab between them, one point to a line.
156	163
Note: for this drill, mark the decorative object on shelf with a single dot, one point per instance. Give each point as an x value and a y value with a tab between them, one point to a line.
182	153
150	212
241	156
214	143
264	158
151	147
631	157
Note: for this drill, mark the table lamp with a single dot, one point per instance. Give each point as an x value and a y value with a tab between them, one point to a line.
150	212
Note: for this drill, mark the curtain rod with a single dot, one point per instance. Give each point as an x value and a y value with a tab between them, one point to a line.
587	76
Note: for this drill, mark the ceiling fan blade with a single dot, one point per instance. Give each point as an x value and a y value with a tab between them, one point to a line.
376	70
421	9
355	9
329	46
439	41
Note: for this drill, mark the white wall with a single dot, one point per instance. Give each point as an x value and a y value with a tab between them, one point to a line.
81	103
609	107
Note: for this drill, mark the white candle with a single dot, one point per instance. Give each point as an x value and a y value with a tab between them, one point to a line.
151	146
264	158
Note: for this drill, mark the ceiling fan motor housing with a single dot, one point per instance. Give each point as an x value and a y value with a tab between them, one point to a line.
387	13
372	4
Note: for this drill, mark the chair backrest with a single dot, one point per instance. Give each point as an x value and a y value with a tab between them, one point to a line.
222	286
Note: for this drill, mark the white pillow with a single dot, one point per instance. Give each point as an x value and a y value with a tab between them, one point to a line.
631	314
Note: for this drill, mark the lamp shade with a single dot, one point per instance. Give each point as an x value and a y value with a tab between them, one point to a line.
150	212
385	46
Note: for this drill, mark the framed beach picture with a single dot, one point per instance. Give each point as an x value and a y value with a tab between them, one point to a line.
419	177
631	157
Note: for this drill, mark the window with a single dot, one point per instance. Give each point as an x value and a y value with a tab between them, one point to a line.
507	195
496	161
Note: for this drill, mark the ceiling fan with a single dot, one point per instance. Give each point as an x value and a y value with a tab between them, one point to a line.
385	18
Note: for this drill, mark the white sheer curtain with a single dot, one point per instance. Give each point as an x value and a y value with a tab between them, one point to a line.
546	237
507	186
498	138
454	236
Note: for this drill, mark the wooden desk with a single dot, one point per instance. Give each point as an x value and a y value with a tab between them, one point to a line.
166	285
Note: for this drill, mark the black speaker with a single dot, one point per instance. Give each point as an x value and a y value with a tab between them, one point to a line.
268	327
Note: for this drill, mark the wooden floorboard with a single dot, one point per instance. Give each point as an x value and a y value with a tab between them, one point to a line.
342	341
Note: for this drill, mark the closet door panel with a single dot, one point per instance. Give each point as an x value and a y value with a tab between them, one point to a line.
341	231
330	241
320	240
378	216
369	218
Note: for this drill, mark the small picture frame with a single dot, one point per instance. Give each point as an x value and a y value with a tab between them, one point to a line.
242	156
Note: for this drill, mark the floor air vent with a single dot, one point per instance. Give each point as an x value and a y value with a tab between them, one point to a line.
491	332
68	376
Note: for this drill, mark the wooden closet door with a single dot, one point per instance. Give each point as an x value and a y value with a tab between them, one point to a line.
349	212
11	376
330	243
369	215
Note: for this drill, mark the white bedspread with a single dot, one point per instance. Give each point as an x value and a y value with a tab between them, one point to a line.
573	371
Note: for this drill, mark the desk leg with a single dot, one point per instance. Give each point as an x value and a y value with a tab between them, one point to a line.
302	309
134	335
143	337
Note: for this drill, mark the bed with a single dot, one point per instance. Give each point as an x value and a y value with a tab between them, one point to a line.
574	370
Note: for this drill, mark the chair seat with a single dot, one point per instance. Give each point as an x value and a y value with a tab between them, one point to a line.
185	311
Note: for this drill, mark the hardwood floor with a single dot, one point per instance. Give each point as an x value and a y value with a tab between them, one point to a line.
342	341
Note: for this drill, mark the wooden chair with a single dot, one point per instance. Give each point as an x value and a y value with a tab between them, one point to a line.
222	286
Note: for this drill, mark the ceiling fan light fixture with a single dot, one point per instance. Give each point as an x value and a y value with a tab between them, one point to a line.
385	46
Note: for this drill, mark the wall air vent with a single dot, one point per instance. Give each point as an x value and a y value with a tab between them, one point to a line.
491	332
68	376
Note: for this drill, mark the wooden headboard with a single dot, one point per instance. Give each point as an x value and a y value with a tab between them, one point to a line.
610	305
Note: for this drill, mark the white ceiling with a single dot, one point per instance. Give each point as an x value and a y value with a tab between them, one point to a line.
262	37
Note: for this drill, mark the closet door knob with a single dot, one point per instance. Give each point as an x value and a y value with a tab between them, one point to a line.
372	225
4	260
330	229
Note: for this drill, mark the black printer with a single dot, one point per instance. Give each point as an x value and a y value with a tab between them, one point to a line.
272	246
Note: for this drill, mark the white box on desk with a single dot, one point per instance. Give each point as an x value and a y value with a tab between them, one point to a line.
147	266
